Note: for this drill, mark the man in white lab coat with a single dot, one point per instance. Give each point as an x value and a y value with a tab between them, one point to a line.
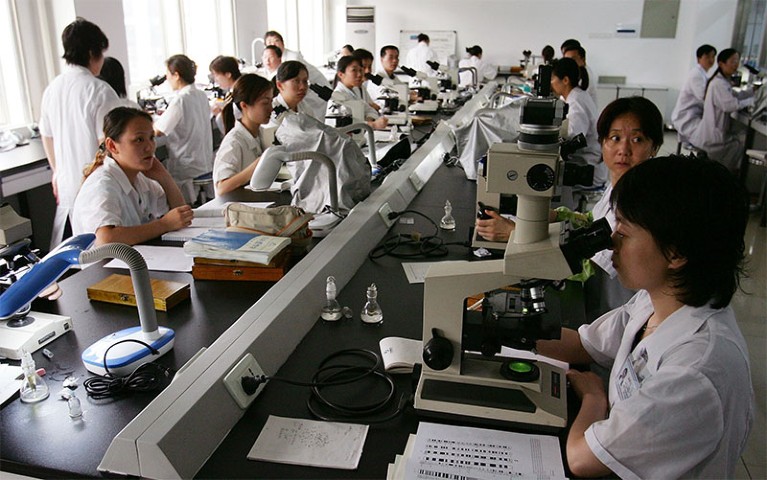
689	106
420	54
73	109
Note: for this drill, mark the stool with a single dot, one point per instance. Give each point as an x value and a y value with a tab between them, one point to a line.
759	158
202	184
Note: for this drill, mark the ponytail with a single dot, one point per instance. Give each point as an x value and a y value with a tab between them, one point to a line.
98	161
227	113
584	74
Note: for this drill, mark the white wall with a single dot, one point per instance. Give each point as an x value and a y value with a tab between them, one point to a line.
504	28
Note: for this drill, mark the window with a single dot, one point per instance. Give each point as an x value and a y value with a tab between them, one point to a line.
155	30
301	24
14	98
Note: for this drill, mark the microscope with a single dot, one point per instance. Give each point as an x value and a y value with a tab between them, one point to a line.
463	375
148	98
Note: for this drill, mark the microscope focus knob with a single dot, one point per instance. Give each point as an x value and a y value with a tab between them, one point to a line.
438	352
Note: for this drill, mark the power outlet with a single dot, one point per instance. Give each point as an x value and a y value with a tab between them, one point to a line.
416	181
233	380
384	211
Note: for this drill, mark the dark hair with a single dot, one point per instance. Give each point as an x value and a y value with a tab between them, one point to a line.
115	123
579	49
723	56
184	66
386	48
82	40
676	198
277	50
570	42
275	34
113	73
476	50
342	64
704	49
248	88
650	118
548	53
348	47
224	64
422	37
289	70
566	68
363	54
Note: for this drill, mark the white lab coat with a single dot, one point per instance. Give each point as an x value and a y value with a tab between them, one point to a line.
689	412
485	70
713	134
582	118
288	54
417	57
187	125
592	88
343	94
688	111
107	198
73	109
376	91
237	151
279	101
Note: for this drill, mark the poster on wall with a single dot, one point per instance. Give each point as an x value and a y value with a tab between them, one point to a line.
443	42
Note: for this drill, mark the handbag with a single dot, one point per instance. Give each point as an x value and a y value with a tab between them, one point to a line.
282	221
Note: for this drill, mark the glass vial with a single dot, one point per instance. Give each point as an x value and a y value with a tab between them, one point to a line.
75	408
447	222
371	312
33	387
332	310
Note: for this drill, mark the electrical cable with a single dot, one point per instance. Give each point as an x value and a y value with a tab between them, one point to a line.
147	377
413	245
332	375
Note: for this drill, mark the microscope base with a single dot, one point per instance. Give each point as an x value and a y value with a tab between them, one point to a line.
485	396
42	330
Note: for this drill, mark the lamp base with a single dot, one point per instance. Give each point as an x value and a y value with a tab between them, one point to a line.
127	356
323	224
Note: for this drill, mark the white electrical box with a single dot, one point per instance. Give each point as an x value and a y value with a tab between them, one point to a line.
233	380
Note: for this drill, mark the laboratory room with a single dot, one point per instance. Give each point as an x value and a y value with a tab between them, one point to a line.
383	239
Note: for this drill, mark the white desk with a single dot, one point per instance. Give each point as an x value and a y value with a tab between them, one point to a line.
23	168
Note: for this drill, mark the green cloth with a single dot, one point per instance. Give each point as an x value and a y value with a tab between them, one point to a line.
578	220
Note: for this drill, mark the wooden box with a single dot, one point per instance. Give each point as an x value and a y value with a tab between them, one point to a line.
214	269
118	288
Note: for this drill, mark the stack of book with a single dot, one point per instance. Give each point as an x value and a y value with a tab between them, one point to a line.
227	255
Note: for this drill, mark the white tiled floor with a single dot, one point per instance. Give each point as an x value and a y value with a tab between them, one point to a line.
751	310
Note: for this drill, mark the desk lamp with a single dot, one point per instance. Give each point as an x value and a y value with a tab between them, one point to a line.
268	167
128	348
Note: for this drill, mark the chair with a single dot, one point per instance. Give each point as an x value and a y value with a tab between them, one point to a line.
203	185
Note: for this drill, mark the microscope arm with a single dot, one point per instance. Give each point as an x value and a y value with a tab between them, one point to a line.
371	139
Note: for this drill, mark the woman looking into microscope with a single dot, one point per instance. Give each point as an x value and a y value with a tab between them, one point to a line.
679	402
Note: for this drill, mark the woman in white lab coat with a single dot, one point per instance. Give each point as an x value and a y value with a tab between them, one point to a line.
292	81
238	155
127	195
271	59
581	116
679	403
113	73
225	71
485	71
349	89
713	134
186	123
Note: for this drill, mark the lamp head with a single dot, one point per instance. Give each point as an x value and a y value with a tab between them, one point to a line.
268	167
42	274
